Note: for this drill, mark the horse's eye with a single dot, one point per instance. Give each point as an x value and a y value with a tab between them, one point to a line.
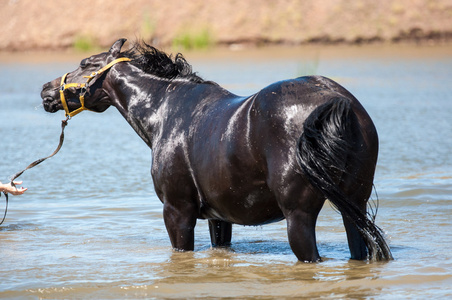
83	63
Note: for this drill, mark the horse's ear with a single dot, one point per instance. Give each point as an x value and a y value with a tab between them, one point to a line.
116	47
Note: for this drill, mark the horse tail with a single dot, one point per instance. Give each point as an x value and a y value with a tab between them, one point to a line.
323	148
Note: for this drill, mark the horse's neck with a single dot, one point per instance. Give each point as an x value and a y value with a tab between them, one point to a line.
142	105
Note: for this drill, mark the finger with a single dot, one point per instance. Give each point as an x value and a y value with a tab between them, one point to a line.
21	191
13	190
18	191
17	182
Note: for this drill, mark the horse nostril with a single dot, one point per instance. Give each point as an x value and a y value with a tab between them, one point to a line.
44	95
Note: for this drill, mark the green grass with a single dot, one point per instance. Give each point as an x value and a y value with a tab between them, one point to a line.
307	68
84	43
190	40
147	26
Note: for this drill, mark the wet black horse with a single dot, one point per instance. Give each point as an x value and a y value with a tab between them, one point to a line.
277	154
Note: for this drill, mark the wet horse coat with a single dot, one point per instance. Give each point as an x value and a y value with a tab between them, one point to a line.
277	154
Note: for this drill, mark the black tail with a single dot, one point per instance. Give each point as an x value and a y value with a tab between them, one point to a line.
323	149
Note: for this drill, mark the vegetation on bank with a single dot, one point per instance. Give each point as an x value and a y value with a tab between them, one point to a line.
187	40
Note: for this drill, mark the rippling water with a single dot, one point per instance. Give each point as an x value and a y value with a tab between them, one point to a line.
91	226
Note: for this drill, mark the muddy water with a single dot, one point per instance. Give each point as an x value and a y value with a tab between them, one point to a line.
90	226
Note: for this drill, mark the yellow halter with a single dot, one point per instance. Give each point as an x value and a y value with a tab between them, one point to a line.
64	86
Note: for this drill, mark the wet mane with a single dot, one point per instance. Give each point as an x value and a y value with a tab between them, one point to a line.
158	63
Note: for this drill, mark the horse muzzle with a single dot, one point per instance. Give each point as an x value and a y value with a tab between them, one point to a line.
50	98
51	105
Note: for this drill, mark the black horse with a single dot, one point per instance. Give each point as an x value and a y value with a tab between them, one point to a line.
277	154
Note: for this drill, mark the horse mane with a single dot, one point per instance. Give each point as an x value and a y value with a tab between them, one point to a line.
158	63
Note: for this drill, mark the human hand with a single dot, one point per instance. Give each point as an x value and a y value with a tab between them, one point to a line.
12	189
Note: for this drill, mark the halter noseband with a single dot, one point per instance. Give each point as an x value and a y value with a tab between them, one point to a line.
82	86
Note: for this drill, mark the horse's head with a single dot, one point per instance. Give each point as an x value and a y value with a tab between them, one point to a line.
83	88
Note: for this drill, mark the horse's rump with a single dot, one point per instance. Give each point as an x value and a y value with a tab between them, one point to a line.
324	150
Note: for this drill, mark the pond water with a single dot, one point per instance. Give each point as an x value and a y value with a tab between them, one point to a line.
90	226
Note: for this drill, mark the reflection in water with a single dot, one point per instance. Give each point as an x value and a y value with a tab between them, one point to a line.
195	274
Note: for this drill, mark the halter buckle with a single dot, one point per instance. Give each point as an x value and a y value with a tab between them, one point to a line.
83	90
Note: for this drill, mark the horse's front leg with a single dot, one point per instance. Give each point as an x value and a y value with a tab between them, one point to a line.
220	233
180	222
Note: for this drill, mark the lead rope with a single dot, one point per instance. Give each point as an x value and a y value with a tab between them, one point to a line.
35	163
6	208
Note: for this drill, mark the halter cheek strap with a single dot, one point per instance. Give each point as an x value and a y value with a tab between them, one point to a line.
82	86
63	87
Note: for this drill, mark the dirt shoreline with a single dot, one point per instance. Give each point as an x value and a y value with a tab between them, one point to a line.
309	54
56	25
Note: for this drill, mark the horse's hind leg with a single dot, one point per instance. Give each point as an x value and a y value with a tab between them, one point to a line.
301	233
301	208
358	193
358	249
220	233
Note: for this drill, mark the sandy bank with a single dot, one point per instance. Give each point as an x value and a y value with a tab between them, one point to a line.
54	24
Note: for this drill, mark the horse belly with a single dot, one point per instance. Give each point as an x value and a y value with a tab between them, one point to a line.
237	205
